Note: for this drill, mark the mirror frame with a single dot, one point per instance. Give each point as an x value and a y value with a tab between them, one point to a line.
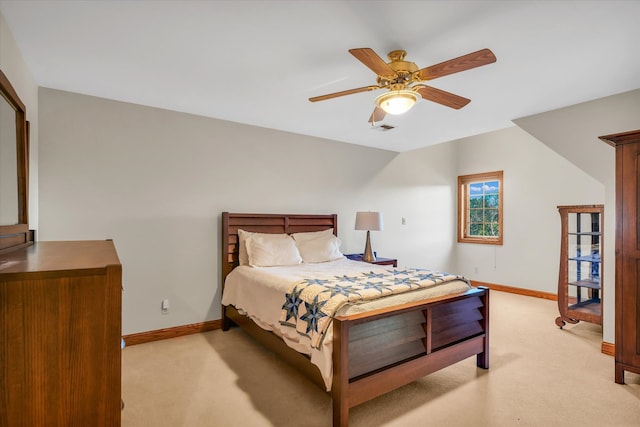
18	235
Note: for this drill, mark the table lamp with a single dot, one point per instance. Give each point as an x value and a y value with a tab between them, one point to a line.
370	221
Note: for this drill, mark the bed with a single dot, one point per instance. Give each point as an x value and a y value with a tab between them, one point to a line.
372	351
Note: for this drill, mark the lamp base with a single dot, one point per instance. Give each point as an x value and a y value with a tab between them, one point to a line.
368	255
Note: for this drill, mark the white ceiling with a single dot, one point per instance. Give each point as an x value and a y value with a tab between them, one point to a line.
257	62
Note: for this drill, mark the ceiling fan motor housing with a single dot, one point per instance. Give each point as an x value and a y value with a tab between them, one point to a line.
404	69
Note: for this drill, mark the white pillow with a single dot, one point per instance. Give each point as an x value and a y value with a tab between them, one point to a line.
299	237
321	249
243	257
267	250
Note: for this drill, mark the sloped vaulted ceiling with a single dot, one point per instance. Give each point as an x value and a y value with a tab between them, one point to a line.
258	62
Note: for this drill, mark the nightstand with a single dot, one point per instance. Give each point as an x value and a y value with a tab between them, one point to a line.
378	261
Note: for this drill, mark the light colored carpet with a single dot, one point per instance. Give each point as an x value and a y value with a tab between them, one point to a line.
539	376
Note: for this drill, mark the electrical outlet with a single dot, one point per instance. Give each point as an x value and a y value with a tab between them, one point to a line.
475	270
164	306
404	221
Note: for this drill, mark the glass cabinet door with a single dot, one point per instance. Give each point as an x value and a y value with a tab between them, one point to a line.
580	276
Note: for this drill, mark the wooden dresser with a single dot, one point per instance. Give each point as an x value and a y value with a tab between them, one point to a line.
627	252
60	330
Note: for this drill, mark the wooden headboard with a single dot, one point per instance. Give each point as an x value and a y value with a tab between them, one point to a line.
266	223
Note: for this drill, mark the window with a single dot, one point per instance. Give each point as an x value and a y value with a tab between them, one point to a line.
480	208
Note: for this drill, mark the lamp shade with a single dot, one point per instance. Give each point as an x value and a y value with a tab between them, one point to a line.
369	221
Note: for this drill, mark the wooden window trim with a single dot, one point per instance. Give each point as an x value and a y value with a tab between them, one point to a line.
463	182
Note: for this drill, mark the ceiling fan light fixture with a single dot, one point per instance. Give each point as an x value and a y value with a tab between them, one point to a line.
397	101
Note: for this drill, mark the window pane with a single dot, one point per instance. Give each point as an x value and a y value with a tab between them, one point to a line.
475	215
491	187
491	201
475	229
475	202
475	189
492	229
491	215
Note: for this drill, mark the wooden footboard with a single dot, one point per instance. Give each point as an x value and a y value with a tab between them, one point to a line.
376	352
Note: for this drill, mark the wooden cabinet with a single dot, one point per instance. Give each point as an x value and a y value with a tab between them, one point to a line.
378	260
627	317
580	273
60	330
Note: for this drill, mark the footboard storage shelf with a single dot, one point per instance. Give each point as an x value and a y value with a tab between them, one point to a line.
377	352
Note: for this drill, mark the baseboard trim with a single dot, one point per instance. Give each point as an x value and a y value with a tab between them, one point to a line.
194	328
514	290
608	348
176	331
210	325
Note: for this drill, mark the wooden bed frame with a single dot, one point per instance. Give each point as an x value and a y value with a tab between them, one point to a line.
377	351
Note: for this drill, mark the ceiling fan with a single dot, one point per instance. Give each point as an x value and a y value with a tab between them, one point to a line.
402	80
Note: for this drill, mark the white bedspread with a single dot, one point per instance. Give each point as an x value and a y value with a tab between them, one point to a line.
260	293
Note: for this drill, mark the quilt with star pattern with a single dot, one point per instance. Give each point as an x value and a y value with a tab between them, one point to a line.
310	304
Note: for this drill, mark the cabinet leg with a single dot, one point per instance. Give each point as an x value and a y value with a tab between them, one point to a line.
619	374
561	321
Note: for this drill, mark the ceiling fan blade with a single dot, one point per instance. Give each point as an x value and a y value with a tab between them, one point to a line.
371	59
442	97
377	115
343	93
462	63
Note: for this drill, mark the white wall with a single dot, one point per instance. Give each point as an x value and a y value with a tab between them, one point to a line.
536	180
13	66
156	181
419	186
573	133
